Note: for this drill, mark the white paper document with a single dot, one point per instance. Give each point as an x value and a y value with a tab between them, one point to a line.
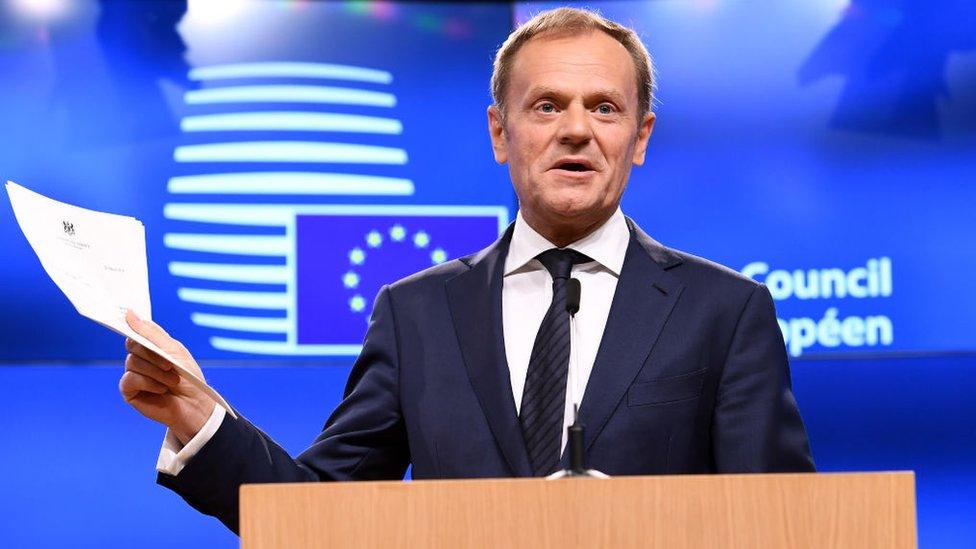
99	261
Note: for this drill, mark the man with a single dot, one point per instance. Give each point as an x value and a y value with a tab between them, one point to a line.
679	365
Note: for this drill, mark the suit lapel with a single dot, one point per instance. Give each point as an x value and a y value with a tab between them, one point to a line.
475	300
646	293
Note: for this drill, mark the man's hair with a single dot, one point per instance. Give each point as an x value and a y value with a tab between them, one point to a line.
564	21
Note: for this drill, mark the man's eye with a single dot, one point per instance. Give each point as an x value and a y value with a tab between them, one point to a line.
547	107
606	109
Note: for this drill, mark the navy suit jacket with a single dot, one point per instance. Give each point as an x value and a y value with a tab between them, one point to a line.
691	376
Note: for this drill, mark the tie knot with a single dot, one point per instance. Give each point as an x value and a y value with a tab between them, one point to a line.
559	262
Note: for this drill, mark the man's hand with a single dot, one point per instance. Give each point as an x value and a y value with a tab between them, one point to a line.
152	386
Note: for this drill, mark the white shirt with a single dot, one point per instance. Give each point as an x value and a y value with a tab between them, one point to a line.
526	295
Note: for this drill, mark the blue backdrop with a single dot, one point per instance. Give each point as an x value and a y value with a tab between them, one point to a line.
290	157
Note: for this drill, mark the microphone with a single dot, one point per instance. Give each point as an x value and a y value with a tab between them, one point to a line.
572	296
575	441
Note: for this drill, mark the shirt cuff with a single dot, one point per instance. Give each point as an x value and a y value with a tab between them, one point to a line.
173	456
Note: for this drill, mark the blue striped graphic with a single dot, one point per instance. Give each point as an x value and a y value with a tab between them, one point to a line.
298	183
291	69
289	94
244	300
291	121
290	151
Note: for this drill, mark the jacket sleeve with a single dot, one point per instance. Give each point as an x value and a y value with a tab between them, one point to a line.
757	425
364	438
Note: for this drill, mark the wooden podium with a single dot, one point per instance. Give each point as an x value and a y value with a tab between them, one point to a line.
857	510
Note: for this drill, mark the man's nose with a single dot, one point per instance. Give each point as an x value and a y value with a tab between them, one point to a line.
575	128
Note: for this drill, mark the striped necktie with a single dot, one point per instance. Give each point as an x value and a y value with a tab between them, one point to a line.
544	397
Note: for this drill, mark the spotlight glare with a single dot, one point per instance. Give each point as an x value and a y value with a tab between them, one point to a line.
209	13
41	10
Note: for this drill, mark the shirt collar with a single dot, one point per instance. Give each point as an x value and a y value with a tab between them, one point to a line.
607	245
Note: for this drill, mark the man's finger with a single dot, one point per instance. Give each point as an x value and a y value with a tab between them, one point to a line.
133	383
136	363
148	329
148	355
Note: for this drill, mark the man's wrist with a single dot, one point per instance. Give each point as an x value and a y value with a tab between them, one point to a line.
174	456
185	430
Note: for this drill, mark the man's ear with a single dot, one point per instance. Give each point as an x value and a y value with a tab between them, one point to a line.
643	135
496	129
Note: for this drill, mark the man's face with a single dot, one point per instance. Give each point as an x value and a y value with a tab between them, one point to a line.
570	133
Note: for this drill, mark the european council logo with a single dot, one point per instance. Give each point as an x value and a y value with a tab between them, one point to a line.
272	262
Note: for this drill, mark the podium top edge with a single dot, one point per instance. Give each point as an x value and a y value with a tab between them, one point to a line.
894	475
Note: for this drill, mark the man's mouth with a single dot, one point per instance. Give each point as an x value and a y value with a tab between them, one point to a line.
574	165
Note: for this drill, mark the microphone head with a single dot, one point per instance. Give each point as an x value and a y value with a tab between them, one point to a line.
572	296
